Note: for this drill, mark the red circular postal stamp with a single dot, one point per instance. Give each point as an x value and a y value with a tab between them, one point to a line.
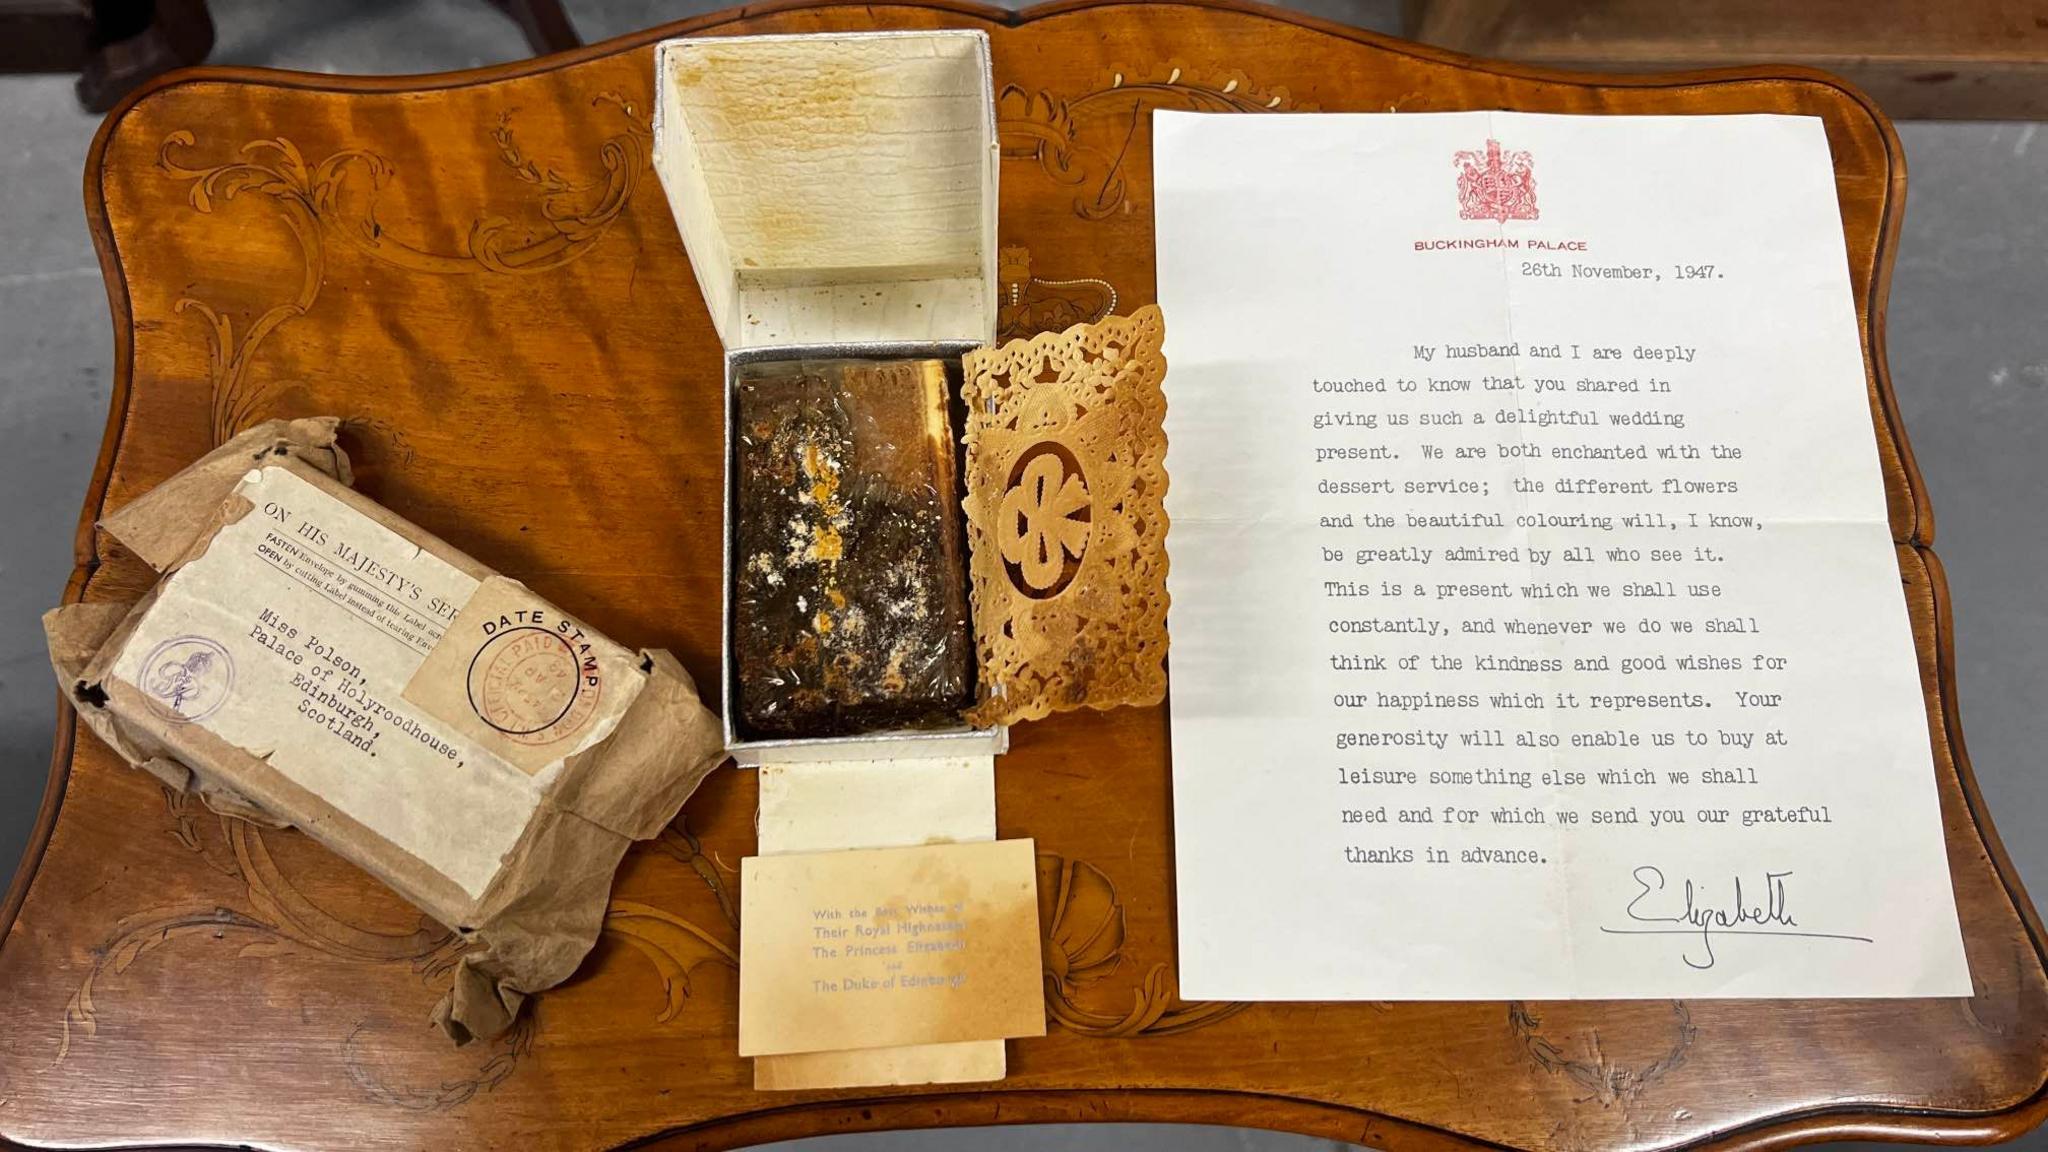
527	684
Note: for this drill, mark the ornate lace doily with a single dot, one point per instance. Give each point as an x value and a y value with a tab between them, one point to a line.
1066	474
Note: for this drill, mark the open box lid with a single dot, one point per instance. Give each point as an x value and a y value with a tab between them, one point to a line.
834	188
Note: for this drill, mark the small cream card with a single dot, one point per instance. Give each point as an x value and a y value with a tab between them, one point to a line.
869	949
820	806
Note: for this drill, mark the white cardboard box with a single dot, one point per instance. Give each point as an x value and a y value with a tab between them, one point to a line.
837	196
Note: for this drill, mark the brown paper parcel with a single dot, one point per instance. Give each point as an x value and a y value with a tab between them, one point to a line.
311	659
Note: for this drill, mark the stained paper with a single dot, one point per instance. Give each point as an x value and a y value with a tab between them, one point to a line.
884	947
831	806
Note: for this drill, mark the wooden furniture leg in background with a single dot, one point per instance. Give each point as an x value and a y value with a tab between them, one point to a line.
115	45
1953	60
546	25
44	35
138	41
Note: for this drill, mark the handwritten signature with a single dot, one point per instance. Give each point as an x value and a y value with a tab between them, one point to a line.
1750	914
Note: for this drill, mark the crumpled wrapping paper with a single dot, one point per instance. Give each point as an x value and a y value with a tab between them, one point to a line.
541	912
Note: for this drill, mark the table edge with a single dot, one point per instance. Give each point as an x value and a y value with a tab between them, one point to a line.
1227	1107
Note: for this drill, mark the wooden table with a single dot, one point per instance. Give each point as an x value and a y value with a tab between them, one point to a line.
480	272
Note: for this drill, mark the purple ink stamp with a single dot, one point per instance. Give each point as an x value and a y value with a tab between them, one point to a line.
187	678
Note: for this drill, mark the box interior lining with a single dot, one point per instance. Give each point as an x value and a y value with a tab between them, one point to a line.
834	188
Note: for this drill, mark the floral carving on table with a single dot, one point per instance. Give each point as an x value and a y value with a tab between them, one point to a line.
273	913
1606	1080
506	1053
675	946
335	199
277	919
1029	304
1083	922
1086	141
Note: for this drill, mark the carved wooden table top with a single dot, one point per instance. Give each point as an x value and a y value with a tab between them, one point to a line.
480	271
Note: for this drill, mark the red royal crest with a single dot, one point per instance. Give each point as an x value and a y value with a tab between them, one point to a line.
1496	185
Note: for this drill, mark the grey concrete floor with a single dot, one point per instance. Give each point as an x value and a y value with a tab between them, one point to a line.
1969	358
